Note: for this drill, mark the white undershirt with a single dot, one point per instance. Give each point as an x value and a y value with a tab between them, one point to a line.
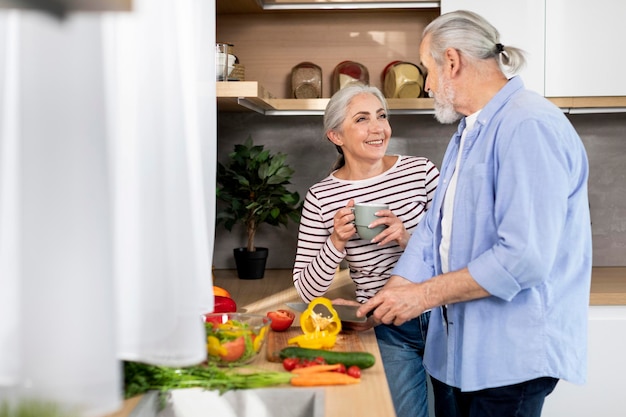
448	201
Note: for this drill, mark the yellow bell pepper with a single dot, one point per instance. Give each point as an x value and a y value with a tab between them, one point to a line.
256	344
320	330
214	347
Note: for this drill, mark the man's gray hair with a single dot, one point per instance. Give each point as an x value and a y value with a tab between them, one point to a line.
474	37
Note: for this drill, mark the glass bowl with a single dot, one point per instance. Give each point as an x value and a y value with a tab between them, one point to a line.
234	338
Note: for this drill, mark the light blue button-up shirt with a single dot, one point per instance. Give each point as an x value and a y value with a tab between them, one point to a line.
521	225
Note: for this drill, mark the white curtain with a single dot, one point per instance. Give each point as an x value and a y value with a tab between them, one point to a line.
107	173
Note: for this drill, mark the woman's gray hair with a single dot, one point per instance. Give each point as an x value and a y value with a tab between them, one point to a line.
336	111
473	36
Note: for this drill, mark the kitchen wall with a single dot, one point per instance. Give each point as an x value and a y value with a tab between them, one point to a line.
312	156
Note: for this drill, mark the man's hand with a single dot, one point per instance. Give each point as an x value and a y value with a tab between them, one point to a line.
401	300
398	302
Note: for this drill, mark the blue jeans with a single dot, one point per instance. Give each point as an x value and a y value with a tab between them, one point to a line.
402	350
519	400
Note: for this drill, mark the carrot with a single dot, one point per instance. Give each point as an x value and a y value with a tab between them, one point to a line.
323	378
315	369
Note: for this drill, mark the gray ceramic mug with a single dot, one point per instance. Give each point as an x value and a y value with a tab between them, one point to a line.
364	215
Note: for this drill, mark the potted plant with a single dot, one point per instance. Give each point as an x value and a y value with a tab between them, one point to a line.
252	186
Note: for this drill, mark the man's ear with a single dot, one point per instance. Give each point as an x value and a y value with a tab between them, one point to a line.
452	62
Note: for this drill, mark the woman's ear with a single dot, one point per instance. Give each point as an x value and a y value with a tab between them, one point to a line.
334	137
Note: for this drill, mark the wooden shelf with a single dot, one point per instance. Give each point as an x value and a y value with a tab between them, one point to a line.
239	96
242	96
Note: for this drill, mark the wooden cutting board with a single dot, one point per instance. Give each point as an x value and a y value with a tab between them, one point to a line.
347	341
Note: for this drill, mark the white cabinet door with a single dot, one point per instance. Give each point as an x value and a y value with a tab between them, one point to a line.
584	55
603	394
521	24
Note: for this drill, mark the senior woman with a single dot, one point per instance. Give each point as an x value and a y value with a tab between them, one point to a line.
356	122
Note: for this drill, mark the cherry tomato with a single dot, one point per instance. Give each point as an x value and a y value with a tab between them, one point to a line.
354	371
318	361
341	369
290	363
281	320
234	349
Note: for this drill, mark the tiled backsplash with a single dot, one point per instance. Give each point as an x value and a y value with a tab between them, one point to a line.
311	156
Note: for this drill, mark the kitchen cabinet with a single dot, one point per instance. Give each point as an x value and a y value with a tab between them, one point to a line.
602	394
582	44
269	43
566	50
521	24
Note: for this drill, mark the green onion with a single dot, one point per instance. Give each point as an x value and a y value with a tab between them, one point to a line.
140	378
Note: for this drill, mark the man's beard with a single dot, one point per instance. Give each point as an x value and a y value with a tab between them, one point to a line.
444	104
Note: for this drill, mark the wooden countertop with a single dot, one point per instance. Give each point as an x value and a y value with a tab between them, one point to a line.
371	397
608	286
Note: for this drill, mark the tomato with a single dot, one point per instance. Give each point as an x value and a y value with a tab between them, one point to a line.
281	320
318	361
224	305
341	369
234	349
290	363
209	318
222	292
354	371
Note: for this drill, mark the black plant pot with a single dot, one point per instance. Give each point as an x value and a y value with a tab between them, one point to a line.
250	265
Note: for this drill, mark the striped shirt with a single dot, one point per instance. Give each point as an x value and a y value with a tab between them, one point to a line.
408	188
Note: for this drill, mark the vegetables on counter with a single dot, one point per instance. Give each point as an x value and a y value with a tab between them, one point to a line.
222	292
224	304
281	320
323	378
232	341
294	363
223	301
316	368
354	371
35	407
363	360
319	375
140	378
320	325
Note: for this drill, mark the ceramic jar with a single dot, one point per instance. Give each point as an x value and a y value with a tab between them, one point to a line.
349	72
402	80
306	80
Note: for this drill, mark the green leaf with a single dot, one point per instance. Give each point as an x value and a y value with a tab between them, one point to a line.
251	189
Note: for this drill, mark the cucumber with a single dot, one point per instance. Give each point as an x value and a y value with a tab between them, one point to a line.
363	360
